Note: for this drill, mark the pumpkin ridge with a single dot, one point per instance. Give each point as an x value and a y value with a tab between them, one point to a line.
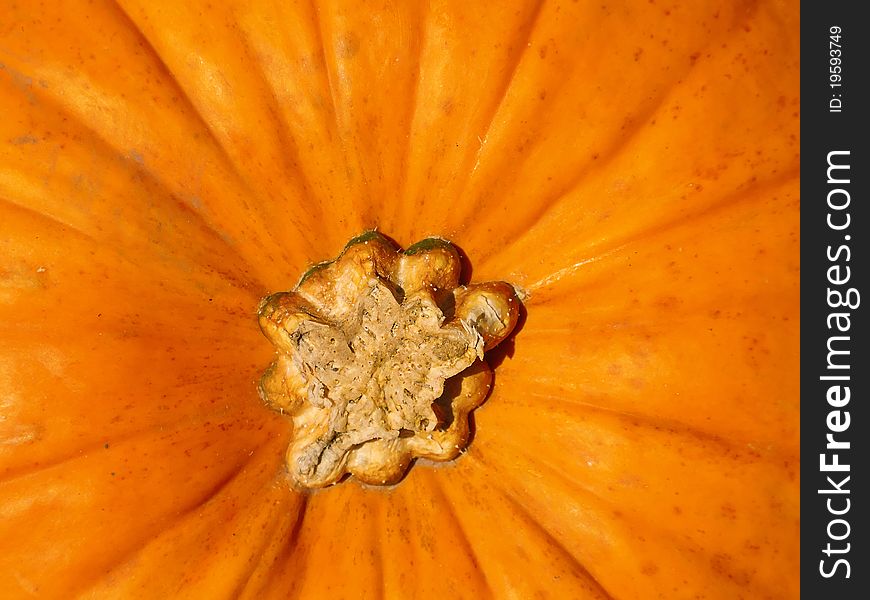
637	515
615	246
493	110
333	116
197	115
512	488
342	124
286	552
436	489
53	220
315	210
256	558
482	463
591	583
93	450
172	200
169	199
188	520
478	493
391	218
727	444
638	122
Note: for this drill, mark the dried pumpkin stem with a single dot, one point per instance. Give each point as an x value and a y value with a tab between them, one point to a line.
380	359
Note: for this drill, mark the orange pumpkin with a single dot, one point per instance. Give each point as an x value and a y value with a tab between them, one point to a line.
633	165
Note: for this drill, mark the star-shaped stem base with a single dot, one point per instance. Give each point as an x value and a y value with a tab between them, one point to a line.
380	359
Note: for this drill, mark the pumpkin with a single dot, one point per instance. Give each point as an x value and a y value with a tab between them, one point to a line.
633	166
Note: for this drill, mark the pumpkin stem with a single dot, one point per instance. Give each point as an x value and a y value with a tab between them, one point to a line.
380	359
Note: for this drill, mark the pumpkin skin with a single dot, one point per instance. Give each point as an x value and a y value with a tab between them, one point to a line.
634	166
